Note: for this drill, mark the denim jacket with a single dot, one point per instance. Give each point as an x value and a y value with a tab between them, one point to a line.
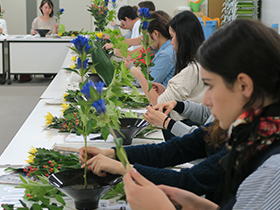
164	61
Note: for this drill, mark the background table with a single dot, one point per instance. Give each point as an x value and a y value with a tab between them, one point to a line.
37	55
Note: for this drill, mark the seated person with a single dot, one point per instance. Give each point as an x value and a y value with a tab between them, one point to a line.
47	20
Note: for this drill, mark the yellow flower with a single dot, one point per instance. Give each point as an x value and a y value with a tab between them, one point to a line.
99	35
73	35
64	106
59	34
73	66
48	118
74	58
31	155
64	95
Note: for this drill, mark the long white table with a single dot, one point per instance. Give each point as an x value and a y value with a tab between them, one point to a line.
35	55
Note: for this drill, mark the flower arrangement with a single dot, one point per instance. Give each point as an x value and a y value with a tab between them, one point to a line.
102	15
146	54
59	13
2	14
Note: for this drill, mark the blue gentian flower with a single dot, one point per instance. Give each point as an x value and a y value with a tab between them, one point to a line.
145	25
86	89
99	87
106	12
144	12
100	106
114	3
61	11
80	42
82	65
106	2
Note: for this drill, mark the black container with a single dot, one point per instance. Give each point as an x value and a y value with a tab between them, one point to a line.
130	127
71	183
42	32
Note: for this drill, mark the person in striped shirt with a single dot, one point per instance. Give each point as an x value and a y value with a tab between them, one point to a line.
241	67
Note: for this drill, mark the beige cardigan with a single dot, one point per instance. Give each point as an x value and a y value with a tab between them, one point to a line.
38	23
185	85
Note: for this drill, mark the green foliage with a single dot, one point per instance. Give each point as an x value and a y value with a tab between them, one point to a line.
117	190
103	64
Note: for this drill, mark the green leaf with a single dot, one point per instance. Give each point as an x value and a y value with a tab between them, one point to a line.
61	28
104	66
150	85
22	179
36	206
23	204
60	199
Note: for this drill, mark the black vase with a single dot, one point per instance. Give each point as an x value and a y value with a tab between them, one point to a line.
130	127
71	183
42	32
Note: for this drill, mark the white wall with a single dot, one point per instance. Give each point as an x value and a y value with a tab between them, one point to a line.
76	15
15	15
270	12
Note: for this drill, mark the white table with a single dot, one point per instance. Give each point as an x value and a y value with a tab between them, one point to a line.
35	55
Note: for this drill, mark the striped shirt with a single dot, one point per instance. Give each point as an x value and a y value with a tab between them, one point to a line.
261	189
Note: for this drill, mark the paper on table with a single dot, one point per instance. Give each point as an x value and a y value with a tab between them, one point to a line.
74	138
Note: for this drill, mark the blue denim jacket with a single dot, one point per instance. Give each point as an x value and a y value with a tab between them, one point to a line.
164	61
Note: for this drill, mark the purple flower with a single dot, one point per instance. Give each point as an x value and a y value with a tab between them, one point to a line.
144	13
81	43
82	64
145	25
100	106
61	11
86	89
99	87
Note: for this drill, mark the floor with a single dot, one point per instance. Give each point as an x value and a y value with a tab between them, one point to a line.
16	103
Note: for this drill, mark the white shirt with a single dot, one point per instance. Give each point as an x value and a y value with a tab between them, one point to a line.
3	25
135	33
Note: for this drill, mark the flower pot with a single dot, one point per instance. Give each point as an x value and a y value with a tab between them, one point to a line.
42	32
71	183
130	127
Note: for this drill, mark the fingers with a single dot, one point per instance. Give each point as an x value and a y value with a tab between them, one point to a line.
139	179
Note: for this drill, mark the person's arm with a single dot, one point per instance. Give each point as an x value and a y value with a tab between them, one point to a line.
142	194
196	112
4	27
192	179
152	94
134	41
170	153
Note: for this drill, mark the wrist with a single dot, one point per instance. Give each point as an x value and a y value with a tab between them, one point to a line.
109	153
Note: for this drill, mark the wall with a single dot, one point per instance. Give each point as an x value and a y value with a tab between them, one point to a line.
270	12
75	16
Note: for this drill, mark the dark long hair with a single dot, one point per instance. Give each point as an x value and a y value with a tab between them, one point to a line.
249	47
49	2
189	35
159	23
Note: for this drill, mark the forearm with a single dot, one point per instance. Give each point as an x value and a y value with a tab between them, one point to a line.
133	42
109	153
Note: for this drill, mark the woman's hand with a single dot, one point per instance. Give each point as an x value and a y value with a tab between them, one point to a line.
128	61
108	46
33	32
93	151
168	106
186	199
100	164
135	71
155	117
142	194
159	88
55	31
1	30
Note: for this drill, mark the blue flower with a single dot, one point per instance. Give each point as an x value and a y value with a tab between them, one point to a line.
113	1
86	89
81	43
99	106
145	25
106	2
99	87
61	11
144	12
82	65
